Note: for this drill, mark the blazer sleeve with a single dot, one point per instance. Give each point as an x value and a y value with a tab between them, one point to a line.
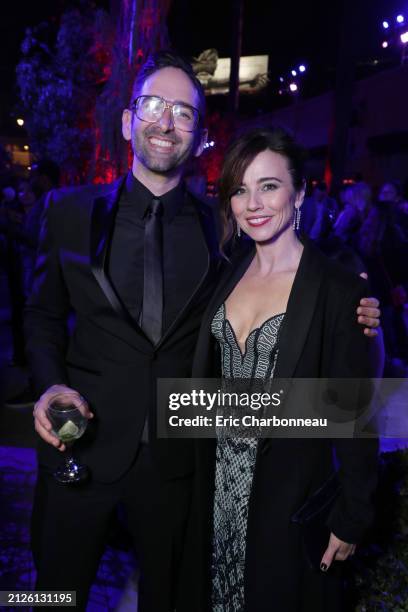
353	357
47	308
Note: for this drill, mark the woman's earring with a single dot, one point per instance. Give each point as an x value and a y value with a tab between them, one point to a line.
238	231
296	218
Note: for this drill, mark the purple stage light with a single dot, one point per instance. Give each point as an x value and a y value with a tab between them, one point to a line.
400	19
404	38
293	87
385	44
385	25
281	79
293	73
302	68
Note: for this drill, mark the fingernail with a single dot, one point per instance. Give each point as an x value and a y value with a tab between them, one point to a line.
323	567
358	310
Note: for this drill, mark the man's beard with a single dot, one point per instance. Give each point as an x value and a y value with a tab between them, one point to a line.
156	163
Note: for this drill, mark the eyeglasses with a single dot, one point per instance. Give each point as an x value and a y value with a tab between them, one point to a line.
151	109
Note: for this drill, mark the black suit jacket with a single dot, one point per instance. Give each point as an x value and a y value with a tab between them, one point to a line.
320	337
107	357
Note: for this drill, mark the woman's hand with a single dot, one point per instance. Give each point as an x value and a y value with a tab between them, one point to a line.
337	550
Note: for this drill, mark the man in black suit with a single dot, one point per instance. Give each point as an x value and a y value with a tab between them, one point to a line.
92	262
136	263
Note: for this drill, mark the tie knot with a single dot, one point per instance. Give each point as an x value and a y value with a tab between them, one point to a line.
156	208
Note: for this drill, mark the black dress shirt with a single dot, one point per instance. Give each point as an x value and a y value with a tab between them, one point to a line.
182	248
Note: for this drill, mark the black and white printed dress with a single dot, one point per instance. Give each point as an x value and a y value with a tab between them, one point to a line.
235	460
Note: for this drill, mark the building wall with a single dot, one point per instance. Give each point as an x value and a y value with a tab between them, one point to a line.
378	135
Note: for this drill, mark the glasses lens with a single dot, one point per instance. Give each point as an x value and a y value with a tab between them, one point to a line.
185	117
149	108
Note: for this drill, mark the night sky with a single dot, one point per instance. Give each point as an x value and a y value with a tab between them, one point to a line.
289	32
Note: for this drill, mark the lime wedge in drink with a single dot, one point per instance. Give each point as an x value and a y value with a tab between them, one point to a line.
68	431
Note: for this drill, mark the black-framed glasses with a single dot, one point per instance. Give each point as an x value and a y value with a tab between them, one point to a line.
151	109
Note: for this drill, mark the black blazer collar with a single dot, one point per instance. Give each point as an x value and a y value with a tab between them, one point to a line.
299	312
300	309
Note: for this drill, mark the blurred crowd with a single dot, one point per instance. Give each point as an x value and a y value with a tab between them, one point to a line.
22	203
370	229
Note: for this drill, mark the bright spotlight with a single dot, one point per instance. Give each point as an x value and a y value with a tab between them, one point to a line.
20	122
400	19
293	87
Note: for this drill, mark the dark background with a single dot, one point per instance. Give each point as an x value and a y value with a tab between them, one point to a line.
289	32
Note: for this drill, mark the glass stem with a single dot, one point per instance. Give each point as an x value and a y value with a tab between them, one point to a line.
68	453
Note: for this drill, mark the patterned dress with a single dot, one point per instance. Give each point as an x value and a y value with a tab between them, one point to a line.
235	461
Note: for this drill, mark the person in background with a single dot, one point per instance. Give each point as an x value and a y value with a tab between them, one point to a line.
383	245
14	211
23	232
357	200
319	213
45	175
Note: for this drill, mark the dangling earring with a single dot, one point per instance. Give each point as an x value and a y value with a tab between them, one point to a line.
296	218
238	231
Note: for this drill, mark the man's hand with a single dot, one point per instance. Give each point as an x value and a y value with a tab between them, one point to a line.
41	422
369	314
337	550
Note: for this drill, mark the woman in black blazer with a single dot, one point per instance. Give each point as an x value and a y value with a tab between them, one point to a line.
281	310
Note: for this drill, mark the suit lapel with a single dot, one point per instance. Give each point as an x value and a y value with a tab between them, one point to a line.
232	273
102	219
298	318
102	222
299	312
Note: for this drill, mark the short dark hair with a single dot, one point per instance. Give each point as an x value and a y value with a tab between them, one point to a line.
240	155
168	59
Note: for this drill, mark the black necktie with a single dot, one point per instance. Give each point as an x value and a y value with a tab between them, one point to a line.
152	311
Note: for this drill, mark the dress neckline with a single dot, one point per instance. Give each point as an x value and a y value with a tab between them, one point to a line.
256	329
